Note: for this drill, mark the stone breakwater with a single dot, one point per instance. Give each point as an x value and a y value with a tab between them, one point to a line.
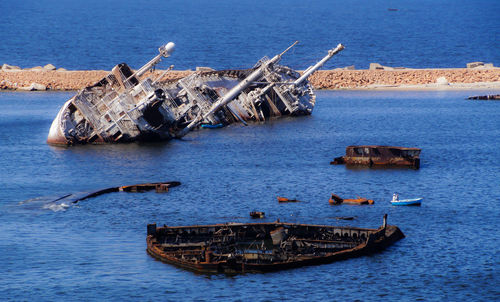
358	79
63	80
322	79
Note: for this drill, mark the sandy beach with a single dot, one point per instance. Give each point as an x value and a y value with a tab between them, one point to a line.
407	79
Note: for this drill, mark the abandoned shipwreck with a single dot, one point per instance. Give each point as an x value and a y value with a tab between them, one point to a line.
380	156
127	106
260	247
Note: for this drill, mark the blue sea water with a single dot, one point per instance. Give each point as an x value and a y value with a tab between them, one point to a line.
96	34
96	250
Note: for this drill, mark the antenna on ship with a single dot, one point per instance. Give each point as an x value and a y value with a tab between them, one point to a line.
164	51
286	50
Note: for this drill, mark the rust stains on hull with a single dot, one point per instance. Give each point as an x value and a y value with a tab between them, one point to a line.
380	156
261	247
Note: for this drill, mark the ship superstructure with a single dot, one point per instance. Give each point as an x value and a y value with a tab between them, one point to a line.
127	106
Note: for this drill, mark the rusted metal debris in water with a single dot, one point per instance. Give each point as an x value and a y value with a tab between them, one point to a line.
284	199
380	156
261	247
336	200
345	218
127	106
257	214
485	97
159	187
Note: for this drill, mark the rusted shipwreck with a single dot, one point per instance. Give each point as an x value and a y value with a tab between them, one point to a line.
380	156
127	105
262	247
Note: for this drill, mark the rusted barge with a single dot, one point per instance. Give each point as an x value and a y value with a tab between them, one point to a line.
380	156
262	247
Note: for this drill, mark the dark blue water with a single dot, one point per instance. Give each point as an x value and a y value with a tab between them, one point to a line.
95	250
97	34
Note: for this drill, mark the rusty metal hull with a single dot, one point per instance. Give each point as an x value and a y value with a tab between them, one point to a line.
380	156
375	162
240	248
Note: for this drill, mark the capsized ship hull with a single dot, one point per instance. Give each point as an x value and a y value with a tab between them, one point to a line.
127	106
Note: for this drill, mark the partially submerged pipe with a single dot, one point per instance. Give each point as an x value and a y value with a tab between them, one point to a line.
313	68
235	91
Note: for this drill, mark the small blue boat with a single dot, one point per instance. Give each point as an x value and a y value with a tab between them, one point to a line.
405	202
210	126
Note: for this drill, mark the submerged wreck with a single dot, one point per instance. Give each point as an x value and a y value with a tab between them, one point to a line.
127	106
380	156
485	97
261	247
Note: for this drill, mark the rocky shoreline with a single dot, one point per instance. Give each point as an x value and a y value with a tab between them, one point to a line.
43	78
406	78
